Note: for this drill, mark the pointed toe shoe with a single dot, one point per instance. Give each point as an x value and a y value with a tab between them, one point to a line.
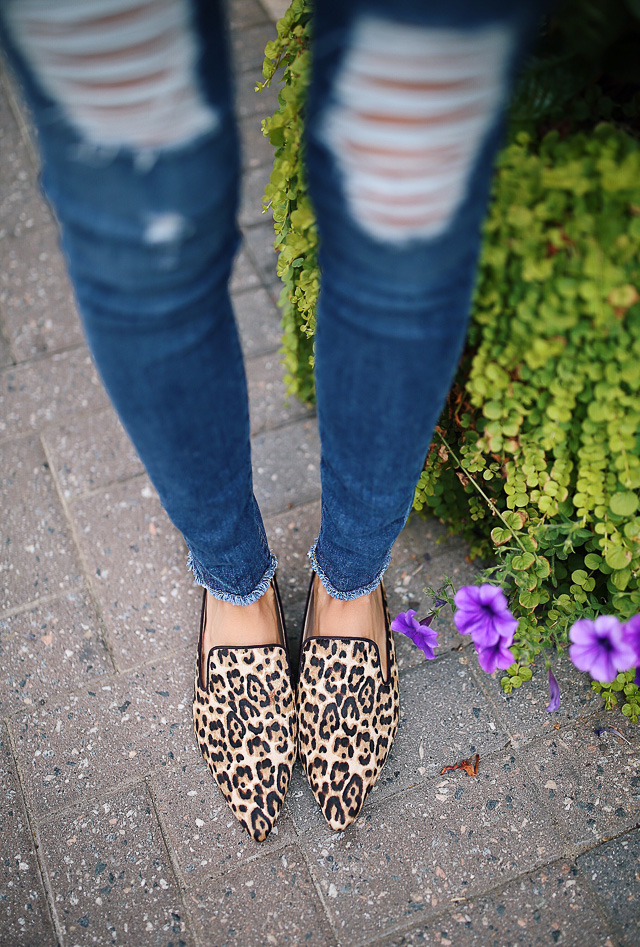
245	724
347	716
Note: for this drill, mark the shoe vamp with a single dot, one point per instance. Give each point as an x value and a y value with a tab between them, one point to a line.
246	722
347	714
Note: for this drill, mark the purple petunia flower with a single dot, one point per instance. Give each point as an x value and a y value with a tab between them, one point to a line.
496	656
554	693
600	648
631	633
483	612
421	634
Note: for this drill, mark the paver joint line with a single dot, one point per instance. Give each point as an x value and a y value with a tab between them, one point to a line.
98	799
104	637
574	852
7	84
610	917
495	890
88	494
173	861
34	603
320	894
37	844
39	357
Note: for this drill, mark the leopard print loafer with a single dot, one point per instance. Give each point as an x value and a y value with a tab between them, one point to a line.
347	716
245	723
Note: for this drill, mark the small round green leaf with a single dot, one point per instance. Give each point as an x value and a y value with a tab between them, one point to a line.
624	504
524	561
500	535
617	558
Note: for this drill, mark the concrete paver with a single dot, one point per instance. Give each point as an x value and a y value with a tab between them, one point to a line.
16	185
245	13
55	646
205	835
47	391
453	837
258	322
279	486
257	151
523	713
613	870
89	741
544	908
244	274
5	352
24	914
91	452
251	200
248	46
290	536
111	875
259	243
248	102
589	783
277	904
269	406
37	556
137	566
428	739
35	294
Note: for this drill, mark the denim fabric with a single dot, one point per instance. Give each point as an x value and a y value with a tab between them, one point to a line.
392	319
149	232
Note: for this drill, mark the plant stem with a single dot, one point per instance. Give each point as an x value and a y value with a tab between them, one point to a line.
494	509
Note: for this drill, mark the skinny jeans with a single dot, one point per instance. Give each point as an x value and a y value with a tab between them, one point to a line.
133	104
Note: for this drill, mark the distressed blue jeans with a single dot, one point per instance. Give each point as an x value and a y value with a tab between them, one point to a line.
133	104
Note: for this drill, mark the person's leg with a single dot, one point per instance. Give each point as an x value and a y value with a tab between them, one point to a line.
406	113
132	103
133	106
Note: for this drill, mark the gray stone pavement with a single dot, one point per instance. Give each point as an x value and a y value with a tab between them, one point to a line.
111	829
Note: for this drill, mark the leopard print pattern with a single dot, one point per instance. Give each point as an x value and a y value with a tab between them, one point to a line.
245	724
347	721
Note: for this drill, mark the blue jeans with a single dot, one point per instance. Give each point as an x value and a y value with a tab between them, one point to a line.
133	104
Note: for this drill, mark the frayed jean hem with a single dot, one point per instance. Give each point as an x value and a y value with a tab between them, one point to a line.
338	593
204	578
